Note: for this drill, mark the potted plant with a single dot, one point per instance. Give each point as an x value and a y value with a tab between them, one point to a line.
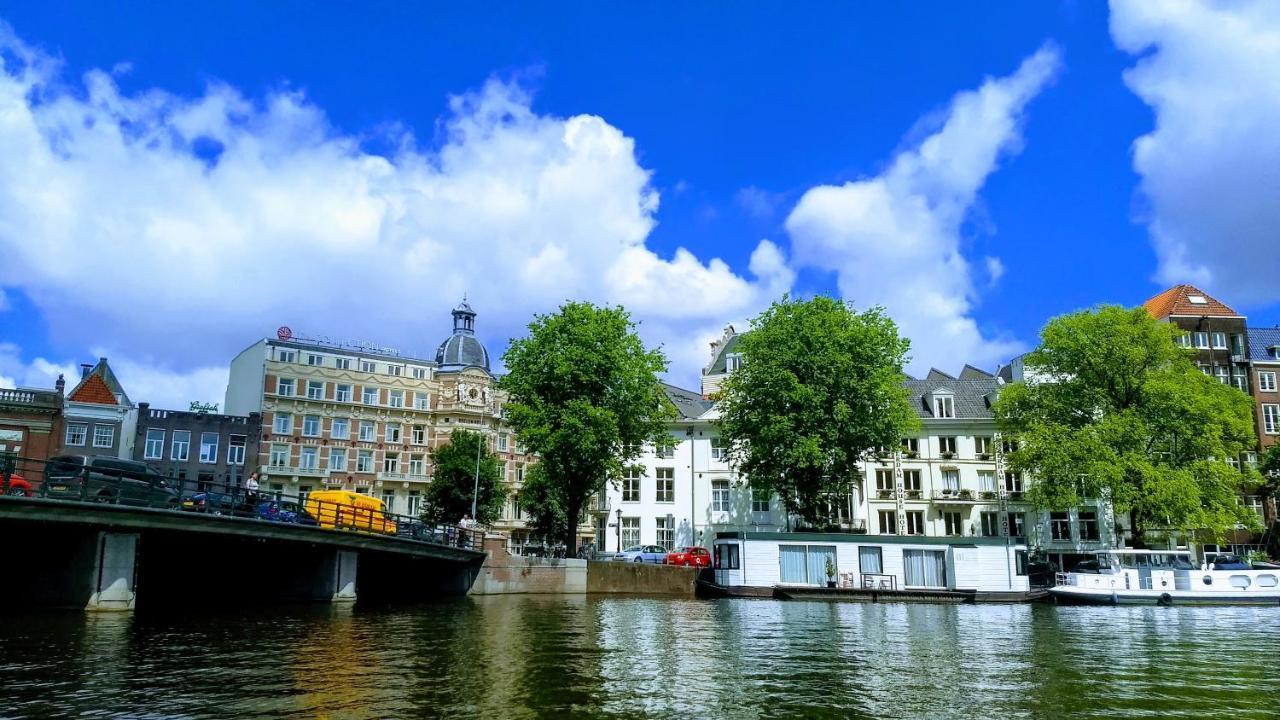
988	495
831	572
947	455
966	494
984	456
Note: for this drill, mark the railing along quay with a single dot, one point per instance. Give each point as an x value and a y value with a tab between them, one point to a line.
102	485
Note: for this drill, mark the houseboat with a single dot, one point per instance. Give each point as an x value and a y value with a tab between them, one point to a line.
839	566
1166	577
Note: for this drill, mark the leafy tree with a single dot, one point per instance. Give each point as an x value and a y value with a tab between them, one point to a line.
1269	468
453	482
541	504
1115	408
820	386
585	397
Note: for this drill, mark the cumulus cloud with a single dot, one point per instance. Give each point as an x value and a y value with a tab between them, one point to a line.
181	229
895	239
1211	166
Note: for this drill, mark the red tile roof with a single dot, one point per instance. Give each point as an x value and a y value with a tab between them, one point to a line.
94	390
1177	300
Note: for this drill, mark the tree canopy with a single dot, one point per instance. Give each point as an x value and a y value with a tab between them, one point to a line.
453	481
820	387
585	397
1113	407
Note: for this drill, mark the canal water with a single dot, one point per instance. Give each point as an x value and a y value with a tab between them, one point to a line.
528	656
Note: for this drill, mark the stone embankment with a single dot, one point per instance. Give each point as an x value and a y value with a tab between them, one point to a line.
504	574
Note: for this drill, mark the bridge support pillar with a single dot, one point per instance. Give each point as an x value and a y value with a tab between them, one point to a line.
346	563
114	573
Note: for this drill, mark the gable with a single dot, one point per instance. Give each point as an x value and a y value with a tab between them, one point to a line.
94	390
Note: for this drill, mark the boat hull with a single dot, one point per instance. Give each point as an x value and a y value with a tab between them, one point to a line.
1069	595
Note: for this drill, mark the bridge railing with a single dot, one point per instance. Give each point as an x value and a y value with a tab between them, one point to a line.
115	486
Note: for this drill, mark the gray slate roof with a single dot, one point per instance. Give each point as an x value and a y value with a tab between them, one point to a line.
1261	340
461	351
971	396
688	403
719	366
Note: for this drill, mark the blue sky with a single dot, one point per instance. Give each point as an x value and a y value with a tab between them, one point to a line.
204	175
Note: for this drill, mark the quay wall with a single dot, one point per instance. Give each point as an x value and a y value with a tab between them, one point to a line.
640	579
505	574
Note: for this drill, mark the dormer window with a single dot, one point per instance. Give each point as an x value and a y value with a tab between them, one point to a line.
732	361
944	406
1197	300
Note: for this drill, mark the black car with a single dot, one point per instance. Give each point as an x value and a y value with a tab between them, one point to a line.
212	502
107	480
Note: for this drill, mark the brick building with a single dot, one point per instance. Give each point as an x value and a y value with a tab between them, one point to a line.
100	418
31	427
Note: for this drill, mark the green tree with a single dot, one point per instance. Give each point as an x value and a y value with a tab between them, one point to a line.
820	387
585	397
453	481
1115	408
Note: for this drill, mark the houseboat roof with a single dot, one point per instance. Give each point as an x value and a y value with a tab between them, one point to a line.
864	539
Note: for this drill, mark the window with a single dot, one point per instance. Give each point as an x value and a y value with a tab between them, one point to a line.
759	501
287	356
805	564
76	433
911	446
631	484
1271	419
284	387
394	370
666	531
990	524
1013	483
953	523
338	459
314	360
180	449
915	522
666	485
502	442
395	399
311	425
235	450
987	481
870	560
421	401
630	532
732	361
369	395
982	445
951	481
517	513
391	463
728	556
154	448
720	496
1088	525
303	492
340	429
947	446
1221	373
364	461
418	435
1059	526
911	482
343	393
1009	446
392	433
717	449
366	366
103	436
417	465
1237	344
315	390
279	456
366	431
944	407
1219	341
924	568
1202	340
415	503
419	373
342	363
884	483
283	423
1267	381
1239	379
209	448
1184	340
888	522
520	474
310	458
665	452
389	500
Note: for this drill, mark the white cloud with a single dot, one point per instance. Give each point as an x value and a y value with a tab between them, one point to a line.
759	204
1211	166
144	380
895	239
125	231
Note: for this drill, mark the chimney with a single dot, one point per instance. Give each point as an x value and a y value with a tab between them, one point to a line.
61	385
143	408
84	370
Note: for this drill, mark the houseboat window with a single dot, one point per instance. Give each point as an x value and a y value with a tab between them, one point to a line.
1020	559
805	564
1267	581
727	556
925	568
869	561
1240	581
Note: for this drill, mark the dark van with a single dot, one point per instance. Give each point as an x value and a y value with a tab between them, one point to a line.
107	480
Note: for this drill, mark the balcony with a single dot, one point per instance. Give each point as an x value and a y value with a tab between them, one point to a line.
30	399
310	472
947	495
601	505
396	475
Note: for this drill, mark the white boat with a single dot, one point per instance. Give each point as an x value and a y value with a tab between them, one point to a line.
1166	577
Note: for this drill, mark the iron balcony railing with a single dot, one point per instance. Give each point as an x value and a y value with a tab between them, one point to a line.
230	501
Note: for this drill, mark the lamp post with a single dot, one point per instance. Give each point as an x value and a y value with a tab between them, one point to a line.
475	492
619	515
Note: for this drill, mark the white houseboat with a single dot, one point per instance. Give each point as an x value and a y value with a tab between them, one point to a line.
870	567
1166	577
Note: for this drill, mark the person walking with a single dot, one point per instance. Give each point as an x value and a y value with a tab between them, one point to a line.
251	491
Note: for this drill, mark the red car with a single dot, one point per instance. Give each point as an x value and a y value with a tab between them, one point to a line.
690	557
18	486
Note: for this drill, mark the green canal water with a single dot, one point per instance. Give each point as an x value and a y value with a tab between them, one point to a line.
514	657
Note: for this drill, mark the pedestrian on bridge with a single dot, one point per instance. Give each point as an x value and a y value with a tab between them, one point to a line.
251	490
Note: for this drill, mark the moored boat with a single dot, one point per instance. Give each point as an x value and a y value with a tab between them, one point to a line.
1166	577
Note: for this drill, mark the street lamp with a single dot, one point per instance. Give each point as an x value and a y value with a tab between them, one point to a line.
619	529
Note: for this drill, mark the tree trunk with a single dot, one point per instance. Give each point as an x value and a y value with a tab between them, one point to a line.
571	531
1135	529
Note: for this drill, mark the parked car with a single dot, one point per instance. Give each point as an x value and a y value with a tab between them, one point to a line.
284	511
18	486
212	502
108	480
655	554
690	557
345	510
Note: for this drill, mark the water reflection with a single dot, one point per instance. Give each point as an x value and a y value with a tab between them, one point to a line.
643	657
